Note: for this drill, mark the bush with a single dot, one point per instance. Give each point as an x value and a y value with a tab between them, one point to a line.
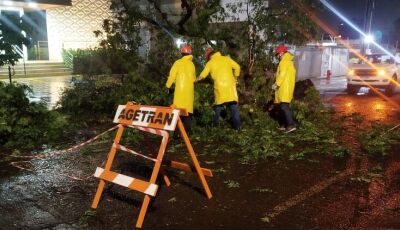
101	61
25	125
94	99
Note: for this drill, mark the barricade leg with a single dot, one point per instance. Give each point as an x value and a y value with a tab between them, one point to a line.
153	179
194	158
165	177
110	160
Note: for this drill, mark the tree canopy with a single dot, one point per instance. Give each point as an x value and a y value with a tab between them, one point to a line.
233	25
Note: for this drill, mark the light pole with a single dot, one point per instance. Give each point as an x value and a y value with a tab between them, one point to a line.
370	16
367	26
371	38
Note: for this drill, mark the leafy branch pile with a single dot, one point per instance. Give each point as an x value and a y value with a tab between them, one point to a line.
379	139
260	138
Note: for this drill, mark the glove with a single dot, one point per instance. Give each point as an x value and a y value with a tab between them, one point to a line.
274	87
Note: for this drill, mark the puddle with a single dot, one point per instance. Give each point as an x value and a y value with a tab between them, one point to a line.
47	89
6	169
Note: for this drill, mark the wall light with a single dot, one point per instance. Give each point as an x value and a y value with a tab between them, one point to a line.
33	5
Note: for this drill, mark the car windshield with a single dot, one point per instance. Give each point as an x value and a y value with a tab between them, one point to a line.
378	58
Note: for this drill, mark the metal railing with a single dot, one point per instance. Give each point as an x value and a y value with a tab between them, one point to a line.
68	57
20	52
42	50
70	46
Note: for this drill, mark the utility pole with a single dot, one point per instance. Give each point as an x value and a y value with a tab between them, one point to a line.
365	26
370	16
370	21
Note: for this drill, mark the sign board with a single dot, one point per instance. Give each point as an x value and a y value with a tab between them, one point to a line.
147	116
151	119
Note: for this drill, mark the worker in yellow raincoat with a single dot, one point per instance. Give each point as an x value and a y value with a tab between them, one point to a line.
284	86
183	75
224	72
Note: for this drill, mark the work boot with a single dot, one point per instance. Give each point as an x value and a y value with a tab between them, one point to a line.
282	128
290	129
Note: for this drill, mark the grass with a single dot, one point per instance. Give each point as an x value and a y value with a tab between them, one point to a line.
261	190
83	221
232	184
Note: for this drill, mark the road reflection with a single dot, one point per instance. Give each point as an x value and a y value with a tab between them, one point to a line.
47	89
373	106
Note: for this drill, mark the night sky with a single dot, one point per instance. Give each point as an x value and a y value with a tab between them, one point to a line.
384	15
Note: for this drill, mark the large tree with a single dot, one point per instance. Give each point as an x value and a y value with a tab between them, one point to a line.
247	25
248	30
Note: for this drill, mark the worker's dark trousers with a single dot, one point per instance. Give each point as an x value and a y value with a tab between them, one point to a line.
186	123
234	108
289	122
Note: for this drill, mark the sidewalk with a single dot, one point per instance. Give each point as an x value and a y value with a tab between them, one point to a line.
335	84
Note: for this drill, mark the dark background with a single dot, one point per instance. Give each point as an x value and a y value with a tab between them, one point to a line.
384	16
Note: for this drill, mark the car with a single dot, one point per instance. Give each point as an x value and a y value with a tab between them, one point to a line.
374	71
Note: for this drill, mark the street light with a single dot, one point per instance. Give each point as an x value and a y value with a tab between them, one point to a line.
369	38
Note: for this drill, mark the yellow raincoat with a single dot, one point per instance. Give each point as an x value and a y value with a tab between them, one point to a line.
224	72
183	74
285	79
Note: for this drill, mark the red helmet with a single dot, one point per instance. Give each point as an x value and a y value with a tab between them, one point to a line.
186	49
208	52
281	49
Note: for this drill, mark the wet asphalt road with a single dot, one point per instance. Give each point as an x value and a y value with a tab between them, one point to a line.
356	197
374	106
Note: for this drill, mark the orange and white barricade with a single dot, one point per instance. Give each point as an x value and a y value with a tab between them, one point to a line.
156	120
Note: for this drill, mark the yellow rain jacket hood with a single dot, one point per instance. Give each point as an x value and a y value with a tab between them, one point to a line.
224	72
285	79
183	74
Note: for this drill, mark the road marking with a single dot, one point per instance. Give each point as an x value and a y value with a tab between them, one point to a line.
299	198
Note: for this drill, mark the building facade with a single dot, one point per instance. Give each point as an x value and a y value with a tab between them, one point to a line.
58	24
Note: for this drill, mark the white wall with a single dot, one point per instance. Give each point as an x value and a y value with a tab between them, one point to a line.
308	63
314	62
73	26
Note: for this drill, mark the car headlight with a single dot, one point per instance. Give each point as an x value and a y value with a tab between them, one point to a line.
381	72
351	72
